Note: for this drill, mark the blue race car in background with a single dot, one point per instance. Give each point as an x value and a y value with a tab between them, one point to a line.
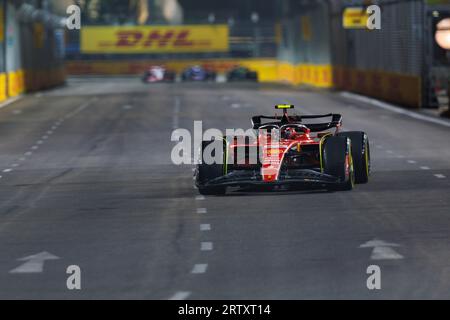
198	73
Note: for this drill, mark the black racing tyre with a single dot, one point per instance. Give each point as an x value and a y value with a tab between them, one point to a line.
337	162
211	76
144	77
360	154
253	76
171	76
207	172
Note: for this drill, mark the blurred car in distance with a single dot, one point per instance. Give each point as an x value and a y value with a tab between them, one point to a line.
240	73
158	74
198	73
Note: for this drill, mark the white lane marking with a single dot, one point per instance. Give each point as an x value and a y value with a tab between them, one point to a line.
202	210
235	105
10	101
176	113
379	147
385	253
127	107
49	132
15	165
395	109
440	176
17	112
40	142
22	159
7	170
44	137
400	156
390	151
206	246
425	168
382	250
412	162
34	263
200	198
205	227
29	153
54	128
199	268
34	147
180	295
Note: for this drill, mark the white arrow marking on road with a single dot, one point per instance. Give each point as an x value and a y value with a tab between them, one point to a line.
382	250
34	263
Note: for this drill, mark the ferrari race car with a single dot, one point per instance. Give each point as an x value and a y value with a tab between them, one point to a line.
158	74
286	151
198	73
241	74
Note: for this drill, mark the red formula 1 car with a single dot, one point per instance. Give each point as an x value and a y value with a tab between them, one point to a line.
286	150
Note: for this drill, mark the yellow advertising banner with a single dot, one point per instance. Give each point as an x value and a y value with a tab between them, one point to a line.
355	18
155	39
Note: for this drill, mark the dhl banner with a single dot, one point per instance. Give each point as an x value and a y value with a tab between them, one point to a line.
155	39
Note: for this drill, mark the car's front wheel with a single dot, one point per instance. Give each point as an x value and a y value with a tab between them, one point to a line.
338	162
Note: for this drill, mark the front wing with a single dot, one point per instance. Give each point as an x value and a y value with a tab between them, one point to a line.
289	177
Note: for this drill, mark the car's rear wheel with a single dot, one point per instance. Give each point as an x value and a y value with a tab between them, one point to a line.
360	154
207	172
337	162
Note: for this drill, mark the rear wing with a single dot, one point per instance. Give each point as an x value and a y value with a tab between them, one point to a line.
336	121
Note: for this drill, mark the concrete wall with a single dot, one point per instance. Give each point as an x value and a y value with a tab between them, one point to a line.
32	56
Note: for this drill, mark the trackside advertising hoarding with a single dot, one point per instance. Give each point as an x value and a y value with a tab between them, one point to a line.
155	39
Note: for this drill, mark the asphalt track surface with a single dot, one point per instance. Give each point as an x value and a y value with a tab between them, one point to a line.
87	177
